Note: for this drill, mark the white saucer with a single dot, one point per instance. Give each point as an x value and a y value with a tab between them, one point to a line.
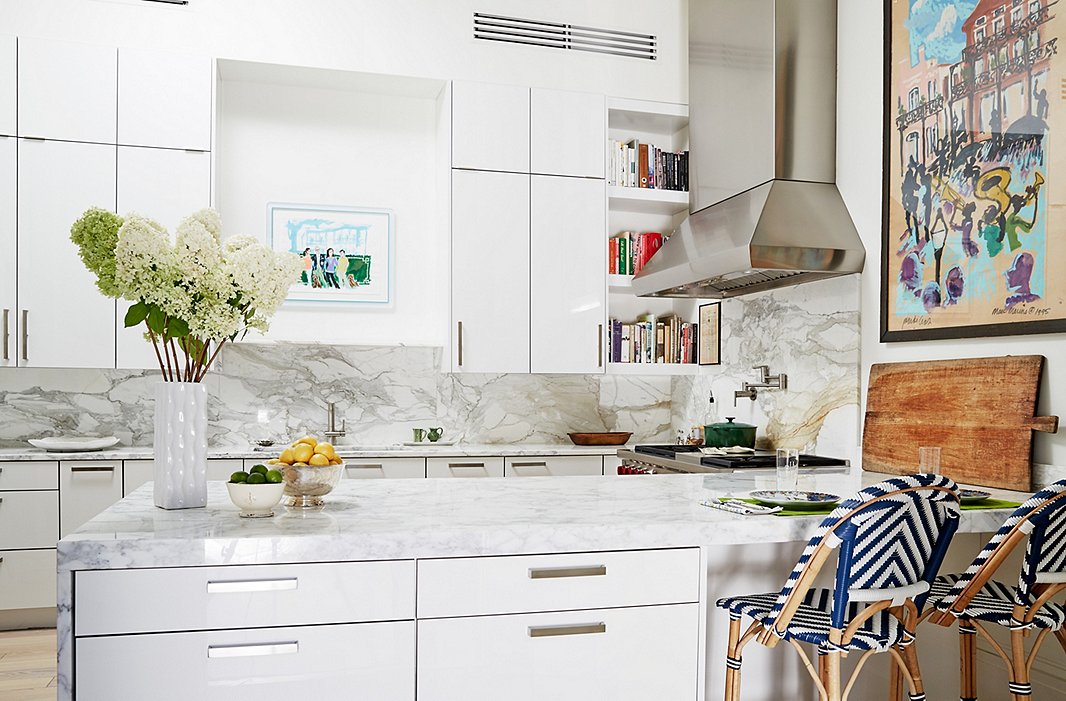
72	444
419	444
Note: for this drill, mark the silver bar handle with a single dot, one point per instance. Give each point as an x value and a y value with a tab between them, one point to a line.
467	464
92	468
599	351
529	464
25	334
576	629
460	344
365	466
7	333
256	650
557	572
238	586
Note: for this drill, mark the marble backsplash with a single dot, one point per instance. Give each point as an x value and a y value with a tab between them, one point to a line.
280	390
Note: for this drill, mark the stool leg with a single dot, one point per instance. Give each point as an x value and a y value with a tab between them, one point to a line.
1061	635
967	660
895	679
910	658
1020	688
732	662
833	689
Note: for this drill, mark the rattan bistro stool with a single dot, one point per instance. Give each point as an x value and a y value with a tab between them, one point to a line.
890	540
974	598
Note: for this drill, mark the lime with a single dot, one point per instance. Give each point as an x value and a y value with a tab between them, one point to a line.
261	469
238	477
257	478
273	476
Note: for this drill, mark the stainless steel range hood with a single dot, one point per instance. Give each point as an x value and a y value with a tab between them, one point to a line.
766	211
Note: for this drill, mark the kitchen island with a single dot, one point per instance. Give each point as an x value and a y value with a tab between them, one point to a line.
561	561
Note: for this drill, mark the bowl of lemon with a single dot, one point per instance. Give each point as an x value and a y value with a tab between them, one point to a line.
310	469
257	491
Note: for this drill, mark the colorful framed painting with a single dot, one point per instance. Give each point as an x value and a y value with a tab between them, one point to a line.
709	347
346	252
974	220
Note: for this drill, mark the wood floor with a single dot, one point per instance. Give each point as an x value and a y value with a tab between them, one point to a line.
28	665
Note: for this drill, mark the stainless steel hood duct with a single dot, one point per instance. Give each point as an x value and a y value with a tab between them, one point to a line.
766	212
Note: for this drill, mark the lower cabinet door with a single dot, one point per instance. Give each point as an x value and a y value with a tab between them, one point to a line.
29	519
464	467
392	468
554	466
86	489
27	579
622	654
358	661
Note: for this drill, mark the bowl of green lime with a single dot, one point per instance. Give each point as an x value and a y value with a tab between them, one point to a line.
257	491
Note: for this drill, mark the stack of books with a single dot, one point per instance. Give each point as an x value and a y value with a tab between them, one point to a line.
634	164
667	339
629	251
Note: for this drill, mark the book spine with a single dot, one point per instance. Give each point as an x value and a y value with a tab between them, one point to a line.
616	340
623	254
642	165
694	351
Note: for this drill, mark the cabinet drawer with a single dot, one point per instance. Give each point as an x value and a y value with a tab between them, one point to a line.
364	661
86	489
464	467
393	468
255	596
27	579
528	583
29	475
554	466
29	520
618	654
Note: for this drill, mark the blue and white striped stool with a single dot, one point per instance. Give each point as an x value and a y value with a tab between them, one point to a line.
890	540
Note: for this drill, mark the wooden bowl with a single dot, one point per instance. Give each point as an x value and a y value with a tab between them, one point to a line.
606	438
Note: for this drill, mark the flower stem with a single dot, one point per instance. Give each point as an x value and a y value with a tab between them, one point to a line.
207	365
158	357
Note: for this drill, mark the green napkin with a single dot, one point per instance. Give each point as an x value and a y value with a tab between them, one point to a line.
824	510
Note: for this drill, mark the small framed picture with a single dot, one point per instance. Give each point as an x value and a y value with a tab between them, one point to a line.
710	334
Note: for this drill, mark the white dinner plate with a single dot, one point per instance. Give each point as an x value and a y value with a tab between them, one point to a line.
419	444
973	496
72	444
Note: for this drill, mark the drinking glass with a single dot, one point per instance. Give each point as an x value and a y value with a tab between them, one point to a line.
929	460
787	469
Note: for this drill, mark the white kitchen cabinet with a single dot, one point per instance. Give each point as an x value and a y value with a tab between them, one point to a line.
611	463
27	579
69	323
8	262
28	519
624	654
166	185
8	85
138	472
553	466
164	99
85	489
393	468
67	90
359	661
463	466
490	127
568	261
29	474
567	133
490	272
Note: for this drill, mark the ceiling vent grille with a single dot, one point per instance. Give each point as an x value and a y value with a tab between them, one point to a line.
557	35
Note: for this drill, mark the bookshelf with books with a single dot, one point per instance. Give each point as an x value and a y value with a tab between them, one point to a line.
645	336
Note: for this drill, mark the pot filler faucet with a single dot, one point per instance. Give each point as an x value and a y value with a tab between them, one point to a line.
768	381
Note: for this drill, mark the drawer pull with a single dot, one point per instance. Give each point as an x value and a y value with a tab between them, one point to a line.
241	586
529	464
7	333
93	468
576	629
467	464
365	466
557	572
257	650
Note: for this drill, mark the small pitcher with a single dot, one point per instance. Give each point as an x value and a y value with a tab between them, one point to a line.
434	434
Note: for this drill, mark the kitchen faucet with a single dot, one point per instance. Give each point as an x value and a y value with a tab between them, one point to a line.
331	422
767	381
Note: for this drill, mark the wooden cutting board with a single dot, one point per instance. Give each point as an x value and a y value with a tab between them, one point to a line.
979	411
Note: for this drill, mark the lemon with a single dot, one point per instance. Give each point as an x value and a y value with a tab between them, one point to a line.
238	477
303	452
335	461
309	440
325	449
319	460
273	476
257	478
299	464
287	456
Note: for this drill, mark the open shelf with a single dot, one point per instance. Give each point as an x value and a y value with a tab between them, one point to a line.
652	368
646	116
647	200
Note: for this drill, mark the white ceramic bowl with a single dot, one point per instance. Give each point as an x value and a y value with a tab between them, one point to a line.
256	500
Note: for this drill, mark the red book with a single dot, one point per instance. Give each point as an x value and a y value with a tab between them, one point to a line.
651	242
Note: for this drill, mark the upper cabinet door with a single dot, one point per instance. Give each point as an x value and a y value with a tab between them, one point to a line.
490	127
69	323
490	272
167	186
569	264
8	89
66	91
164	100
568	133
8	310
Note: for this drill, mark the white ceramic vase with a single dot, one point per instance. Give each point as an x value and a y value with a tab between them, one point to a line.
180	445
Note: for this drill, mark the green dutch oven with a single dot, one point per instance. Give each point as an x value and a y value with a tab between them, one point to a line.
724	435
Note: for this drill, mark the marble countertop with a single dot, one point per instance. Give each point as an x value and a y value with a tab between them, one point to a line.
347	451
396	519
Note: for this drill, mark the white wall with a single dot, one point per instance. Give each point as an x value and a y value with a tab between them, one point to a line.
859	124
427	38
282	143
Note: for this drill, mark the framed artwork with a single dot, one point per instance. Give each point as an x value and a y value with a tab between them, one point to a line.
347	252
974	205
710	334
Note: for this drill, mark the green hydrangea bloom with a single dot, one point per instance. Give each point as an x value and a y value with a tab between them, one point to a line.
96	234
